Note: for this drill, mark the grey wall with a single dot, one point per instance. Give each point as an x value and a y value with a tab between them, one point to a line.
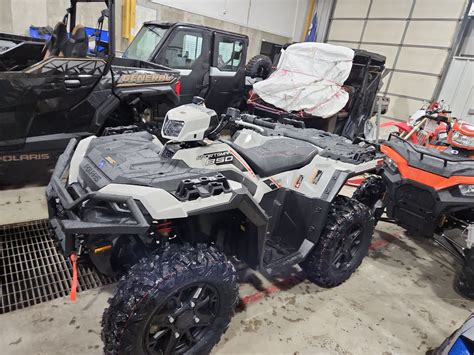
415	35
17	15
458	88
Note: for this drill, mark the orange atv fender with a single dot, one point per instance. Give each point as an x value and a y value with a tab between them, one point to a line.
426	178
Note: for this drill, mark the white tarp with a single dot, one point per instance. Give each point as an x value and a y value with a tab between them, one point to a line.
309	77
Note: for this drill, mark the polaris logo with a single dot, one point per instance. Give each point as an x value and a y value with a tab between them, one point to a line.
92	173
24	157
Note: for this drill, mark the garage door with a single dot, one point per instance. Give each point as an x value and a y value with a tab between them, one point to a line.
414	35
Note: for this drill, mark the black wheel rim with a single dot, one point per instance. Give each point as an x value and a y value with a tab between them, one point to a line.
182	320
347	249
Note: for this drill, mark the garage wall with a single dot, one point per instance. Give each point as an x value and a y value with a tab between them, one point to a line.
415	36
280	17
458	88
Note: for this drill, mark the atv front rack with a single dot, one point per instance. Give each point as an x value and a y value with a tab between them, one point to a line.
63	207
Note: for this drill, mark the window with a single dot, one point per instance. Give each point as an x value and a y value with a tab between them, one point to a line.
145	43
229	54
183	50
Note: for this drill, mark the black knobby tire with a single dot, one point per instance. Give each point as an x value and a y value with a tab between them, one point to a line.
370	191
260	66
183	282
465	280
343	244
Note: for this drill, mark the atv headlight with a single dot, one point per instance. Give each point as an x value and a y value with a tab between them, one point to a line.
391	164
461	139
467	190
172	128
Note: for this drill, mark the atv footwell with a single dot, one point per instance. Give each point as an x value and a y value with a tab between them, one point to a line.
32	271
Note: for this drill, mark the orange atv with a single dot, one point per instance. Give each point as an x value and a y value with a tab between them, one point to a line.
429	191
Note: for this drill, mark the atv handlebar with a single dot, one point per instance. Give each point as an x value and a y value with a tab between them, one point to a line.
257	121
245	120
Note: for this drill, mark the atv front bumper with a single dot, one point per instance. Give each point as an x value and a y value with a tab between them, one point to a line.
66	204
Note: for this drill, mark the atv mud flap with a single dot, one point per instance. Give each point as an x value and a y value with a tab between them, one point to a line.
64	205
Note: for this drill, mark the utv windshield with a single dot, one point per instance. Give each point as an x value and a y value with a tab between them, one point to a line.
145	42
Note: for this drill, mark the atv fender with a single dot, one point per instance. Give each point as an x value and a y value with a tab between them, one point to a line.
77	157
402	126
163	205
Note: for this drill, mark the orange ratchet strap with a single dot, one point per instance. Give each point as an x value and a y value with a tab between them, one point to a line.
72	295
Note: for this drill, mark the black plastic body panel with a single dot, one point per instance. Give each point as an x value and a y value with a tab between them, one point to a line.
419	207
40	104
294	216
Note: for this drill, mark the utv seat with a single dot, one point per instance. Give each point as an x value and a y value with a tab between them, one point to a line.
277	155
56	45
78	44
344	112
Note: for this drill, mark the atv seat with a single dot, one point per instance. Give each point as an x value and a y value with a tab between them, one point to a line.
78	44
57	43
277	155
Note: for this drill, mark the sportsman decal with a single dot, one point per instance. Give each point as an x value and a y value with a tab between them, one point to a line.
217	158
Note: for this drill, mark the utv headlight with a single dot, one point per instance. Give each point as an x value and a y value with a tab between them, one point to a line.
461	139
467	190
172	128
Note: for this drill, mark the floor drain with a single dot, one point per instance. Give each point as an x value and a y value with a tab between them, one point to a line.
32	271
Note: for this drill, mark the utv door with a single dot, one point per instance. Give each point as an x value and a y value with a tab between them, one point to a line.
188	51
41	108
41	99
227	72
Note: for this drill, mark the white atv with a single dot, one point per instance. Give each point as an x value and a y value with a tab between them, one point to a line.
172	216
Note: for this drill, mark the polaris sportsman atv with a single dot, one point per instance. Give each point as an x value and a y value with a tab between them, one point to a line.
428	192
173	215
54	91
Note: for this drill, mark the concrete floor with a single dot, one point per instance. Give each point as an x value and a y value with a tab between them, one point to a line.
400	301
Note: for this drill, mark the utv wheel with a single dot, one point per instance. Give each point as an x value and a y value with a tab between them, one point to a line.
260	66
465	280
180	301
369	192
343	244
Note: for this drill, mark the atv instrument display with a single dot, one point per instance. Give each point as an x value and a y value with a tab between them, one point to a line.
53	91
172	216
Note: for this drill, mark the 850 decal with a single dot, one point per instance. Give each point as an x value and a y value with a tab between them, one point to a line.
217	158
